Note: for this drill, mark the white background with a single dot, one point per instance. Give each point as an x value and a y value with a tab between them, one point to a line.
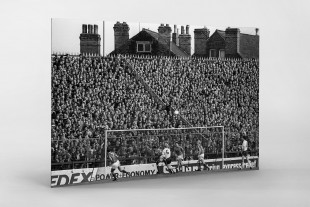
284	177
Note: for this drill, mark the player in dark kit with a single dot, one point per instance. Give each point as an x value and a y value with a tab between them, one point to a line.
165	157
179	151
115	164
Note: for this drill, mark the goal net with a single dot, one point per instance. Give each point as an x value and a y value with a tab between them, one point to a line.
137	148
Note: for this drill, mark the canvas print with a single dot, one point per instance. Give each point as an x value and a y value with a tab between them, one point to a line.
151	100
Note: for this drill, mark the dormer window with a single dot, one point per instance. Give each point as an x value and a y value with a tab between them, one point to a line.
143	46
212	53
222	54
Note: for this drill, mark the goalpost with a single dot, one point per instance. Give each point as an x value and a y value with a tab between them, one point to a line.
139	146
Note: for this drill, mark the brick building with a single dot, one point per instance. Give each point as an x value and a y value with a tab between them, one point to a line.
228	43
163	42
90	40
200	38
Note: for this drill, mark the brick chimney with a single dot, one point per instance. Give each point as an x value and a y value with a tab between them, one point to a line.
185	40
84	28
90	29
165	33
90	40
232	39
121	34
95	29
200	40
175	35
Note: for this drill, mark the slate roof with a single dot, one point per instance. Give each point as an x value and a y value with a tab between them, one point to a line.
221	33
249	44
177	51
173	47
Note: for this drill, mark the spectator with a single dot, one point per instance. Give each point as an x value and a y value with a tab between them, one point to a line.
93	94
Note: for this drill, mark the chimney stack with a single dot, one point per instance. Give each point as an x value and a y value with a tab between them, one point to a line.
185	40
90	29
182	30
200	40
256	31
84	28
95	29
232	39
121	34
165	33
187	29
175	35
90	40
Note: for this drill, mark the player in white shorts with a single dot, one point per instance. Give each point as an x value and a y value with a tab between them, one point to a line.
115	164
245	152
165	157
201	156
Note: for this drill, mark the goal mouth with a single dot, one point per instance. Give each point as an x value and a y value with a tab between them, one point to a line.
144	146
139	150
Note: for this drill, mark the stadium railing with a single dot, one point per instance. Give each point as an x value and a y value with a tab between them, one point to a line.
142	160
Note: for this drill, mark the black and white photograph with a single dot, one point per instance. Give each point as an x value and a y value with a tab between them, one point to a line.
139	100
154	103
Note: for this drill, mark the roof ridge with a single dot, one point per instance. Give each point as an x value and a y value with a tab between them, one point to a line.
178	48
149	30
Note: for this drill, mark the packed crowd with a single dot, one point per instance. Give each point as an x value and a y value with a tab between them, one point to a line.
208	93
92	94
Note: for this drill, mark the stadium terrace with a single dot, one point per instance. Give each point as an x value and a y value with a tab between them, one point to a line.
92	94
